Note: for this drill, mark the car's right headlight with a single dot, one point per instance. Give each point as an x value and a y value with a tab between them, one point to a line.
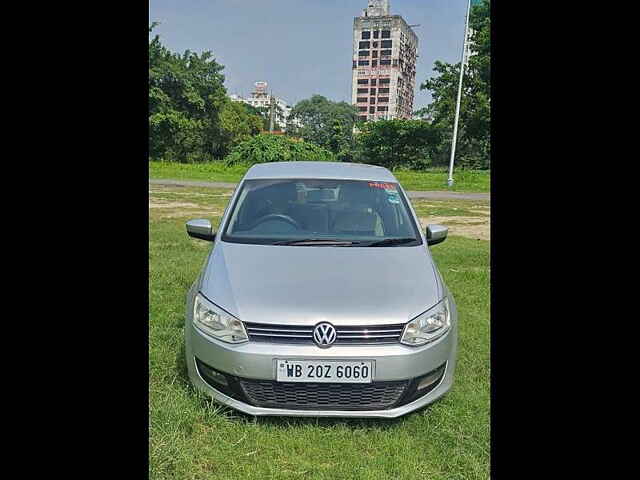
428	326
216	322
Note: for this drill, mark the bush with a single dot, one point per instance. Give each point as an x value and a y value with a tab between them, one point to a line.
275	148
398	143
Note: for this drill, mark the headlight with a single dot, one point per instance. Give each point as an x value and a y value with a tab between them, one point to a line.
216	322
429	326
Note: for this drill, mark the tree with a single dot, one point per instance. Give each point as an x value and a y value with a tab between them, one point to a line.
186	96
473	144
326	123
276	148
398	143
262	112
236	126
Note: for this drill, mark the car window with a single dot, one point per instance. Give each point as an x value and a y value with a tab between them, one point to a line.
270	211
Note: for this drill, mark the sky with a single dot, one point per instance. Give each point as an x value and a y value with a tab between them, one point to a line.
300	47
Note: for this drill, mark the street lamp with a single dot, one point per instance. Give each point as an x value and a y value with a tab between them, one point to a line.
455	123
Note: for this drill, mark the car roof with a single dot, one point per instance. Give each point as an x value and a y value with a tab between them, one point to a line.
332	170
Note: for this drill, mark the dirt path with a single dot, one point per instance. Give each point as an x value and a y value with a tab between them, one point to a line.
472	227
168	209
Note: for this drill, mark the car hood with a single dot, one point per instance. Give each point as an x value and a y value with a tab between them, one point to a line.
305	285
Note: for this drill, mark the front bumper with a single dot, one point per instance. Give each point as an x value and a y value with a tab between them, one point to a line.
257	361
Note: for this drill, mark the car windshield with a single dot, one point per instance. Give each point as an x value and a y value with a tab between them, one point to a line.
321	212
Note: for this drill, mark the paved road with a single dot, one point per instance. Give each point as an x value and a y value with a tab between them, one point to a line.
427	195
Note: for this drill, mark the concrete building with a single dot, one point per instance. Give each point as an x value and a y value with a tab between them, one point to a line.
385	49
261	98
468	53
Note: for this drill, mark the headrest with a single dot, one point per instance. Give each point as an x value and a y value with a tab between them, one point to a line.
356	193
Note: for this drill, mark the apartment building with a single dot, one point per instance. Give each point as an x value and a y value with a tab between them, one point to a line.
385	50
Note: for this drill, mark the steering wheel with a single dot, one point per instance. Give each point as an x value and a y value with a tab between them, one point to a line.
275	216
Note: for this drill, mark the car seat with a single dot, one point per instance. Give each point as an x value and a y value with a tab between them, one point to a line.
355	211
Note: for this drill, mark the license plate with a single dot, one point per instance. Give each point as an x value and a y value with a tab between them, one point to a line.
324	371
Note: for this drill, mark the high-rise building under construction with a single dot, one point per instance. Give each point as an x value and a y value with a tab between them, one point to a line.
385	49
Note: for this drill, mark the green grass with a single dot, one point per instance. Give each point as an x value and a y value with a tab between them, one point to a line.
208	171
193	438
464	180
435	179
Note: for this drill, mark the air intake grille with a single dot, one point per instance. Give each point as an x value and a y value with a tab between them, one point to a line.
346	335
319	396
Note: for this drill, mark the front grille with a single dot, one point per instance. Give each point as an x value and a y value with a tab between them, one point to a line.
318	396
346	335
322	396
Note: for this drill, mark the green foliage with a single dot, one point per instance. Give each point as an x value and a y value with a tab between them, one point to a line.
173	136
186	94
398	143
276	148
473	144
236	126
325	123
262	112
190	116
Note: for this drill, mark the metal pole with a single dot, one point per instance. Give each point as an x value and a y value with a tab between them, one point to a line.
455	124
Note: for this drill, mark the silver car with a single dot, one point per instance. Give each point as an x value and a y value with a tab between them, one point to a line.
320	297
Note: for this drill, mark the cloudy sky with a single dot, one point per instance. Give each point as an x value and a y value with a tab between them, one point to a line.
301	47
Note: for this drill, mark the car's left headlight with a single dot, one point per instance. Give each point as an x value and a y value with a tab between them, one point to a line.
429	326
216	322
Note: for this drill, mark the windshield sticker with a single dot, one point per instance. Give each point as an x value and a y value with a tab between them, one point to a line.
389	187
393	196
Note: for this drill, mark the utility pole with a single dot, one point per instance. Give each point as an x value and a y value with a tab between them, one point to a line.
455	124
272	112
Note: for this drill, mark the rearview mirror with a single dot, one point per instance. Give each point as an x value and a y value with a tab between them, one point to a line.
201	228
436	234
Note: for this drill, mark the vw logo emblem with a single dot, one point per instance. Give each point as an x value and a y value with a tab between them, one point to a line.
324	335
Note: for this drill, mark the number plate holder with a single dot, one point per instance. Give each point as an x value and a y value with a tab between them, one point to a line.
324	371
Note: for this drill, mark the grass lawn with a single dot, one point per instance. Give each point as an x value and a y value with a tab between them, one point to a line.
436	179
193	438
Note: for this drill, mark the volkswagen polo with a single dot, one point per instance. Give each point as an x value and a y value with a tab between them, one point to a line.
320	297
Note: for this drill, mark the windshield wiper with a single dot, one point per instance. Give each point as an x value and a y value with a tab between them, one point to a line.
315	241
390	241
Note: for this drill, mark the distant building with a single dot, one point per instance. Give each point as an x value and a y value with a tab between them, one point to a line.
261	98
385	49
427	117
468	53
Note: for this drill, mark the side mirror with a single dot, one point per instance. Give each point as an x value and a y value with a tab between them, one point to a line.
436	234
201	228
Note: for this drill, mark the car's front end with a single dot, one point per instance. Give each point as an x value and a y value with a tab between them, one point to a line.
320	298
244	375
